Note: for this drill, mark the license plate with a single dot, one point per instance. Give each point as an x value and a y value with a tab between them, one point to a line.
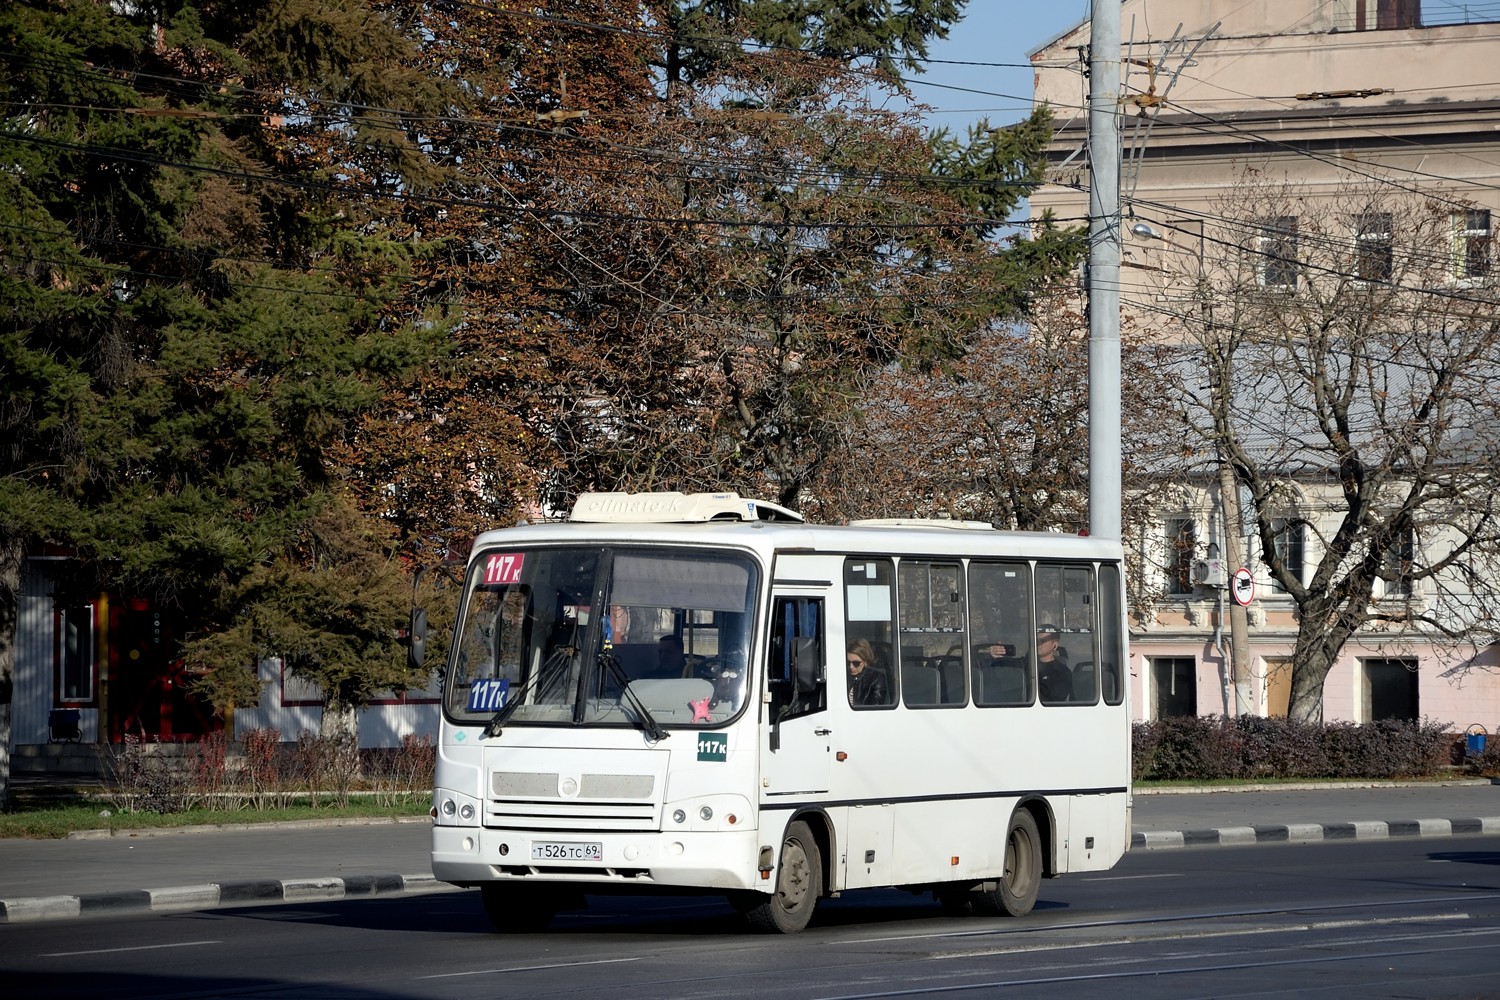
558	850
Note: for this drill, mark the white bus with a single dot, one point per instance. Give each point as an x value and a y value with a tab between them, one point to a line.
700	693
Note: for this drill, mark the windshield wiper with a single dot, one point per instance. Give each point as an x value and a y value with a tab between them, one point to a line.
513	701
611	665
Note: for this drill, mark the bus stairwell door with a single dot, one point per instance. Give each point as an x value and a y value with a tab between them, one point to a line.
795	741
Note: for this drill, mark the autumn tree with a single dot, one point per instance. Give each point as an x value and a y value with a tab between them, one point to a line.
185	335
686	288
1342	360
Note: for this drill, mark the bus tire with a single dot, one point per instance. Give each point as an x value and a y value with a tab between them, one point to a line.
1015	893
518	909
799	883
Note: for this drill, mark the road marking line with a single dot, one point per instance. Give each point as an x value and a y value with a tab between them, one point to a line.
532	968
111	951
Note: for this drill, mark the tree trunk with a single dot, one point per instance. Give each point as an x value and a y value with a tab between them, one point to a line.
12	553
1312	657
339	719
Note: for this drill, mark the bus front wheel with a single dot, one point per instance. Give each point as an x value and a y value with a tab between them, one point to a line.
799	883
1015	893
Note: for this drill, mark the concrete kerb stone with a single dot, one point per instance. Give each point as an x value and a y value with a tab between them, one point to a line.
39	908
184	897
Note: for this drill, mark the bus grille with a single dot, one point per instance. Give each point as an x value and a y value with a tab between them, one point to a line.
603	817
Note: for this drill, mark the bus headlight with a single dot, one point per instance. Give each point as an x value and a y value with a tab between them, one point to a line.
678	816
705	814
454	808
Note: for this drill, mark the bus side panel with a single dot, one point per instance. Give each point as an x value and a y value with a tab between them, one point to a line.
1097	832
869	846
951	841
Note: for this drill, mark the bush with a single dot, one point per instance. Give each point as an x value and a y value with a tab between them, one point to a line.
1215	748
1486	763
266	774
145	780
328	764
1186	748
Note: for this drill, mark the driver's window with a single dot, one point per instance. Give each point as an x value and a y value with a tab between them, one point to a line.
796	672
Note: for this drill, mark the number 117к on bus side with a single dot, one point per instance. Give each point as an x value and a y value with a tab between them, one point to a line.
701	693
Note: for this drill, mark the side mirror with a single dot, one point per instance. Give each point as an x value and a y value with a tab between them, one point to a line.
416	647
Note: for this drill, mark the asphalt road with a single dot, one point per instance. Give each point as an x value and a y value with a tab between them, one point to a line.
205	867
1392	918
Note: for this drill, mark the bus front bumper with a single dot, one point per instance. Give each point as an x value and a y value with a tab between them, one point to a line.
471	855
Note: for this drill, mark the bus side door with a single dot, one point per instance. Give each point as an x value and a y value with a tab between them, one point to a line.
795	752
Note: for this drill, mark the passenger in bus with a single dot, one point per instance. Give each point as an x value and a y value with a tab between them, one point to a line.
867	684
670	661
1053	678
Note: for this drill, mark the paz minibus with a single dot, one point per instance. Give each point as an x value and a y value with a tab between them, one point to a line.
663	693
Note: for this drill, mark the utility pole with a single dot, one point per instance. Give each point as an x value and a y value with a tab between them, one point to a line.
1104	269
1239	619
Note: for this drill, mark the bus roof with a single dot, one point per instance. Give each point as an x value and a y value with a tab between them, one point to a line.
728	519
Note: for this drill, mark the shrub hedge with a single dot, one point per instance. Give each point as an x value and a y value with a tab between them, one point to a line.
1220	748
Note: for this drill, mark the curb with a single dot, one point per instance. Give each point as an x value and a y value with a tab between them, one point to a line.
1302	833
210	896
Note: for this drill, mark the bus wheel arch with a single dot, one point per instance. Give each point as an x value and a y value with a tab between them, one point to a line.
1046	825
801	875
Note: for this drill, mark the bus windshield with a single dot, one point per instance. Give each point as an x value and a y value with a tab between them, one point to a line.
603	636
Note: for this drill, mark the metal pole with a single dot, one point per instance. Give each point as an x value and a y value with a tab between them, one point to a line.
1239	619
1104	269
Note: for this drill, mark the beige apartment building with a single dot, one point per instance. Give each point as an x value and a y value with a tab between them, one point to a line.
1239	120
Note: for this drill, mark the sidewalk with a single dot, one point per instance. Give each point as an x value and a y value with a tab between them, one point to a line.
206	868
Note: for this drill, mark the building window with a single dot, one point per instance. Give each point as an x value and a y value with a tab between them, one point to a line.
1286	548
1390	690
1277	248
75	654
1399	561
1471	244
1181	544
1372	246
1174	686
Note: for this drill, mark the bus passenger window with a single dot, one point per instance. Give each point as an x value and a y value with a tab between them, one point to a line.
1111	628
869	629
934	635
1001	633
1065	605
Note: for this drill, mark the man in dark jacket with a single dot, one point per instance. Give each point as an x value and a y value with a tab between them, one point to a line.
1053	678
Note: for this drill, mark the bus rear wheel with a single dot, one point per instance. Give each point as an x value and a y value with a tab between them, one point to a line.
519	909
1015	893
799	883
